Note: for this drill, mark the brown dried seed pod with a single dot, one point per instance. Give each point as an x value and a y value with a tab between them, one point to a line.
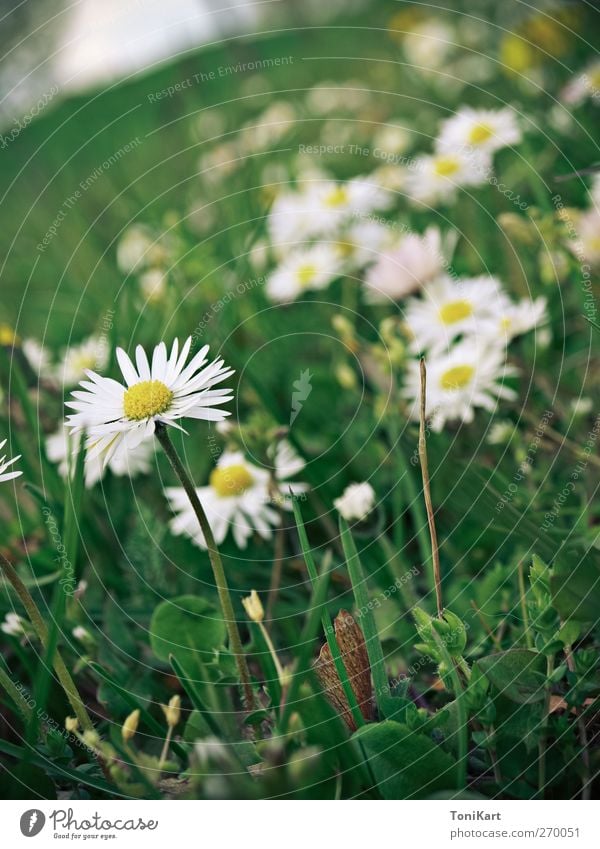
353	650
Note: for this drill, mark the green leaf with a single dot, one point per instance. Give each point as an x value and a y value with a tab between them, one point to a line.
518	674
575	588
405	764
187	627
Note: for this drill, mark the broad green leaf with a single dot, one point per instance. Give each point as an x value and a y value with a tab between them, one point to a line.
187	627
518	674
405	764
575	588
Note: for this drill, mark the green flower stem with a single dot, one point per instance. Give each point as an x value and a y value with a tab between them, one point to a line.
235	642
544	732
461	709
407	590
35	617
435	555
524	613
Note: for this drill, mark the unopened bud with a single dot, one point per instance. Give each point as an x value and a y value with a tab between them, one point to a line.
71	724
172	711
253	607
130	725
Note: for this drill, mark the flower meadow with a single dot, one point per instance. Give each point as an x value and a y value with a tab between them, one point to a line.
299	422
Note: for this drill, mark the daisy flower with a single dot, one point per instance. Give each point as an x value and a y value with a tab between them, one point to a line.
239	496
469	376
362	243
290	220
153	285
92	354
587	244
514	319
486	130
134	249
62	449
13	625
119	417
38	359
5	464
450	308
356	501
399	272
584	85
437	177
312	268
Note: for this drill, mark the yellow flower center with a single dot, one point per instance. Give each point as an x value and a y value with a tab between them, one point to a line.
7	335
455	311
146	399
480	133
231	480
505	323
336	197
446	166
306	274
457	377
595	78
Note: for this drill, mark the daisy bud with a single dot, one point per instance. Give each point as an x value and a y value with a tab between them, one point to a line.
172	711
130	725
253	607
71	724
91	739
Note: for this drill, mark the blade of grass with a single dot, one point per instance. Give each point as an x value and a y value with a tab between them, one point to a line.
369	627
316	606
327	623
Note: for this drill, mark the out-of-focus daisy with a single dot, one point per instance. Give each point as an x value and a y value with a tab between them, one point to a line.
391	140
438	176
429	43
238	496
585	85
153	285
6	464
290	220
362	242
91	354
330	96
470	375
270	126
13	625
333	204
119	417
450	308
313	268
38	358
514	319
62	449
500	432
586	246
356	501
135	249
581	406
402	270
479	129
